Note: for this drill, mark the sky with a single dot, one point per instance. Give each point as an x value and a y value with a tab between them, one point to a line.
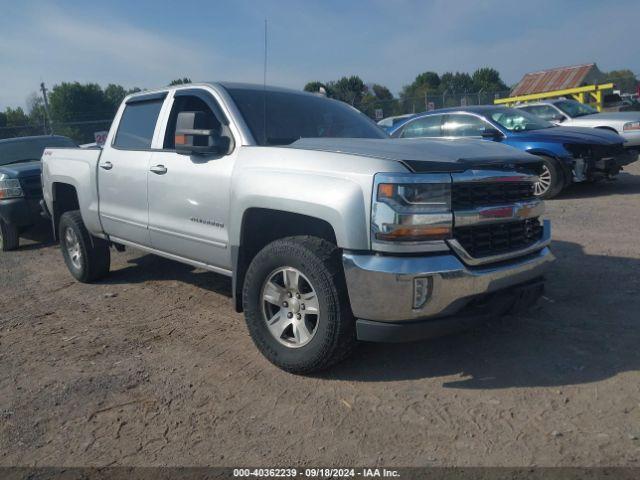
147	43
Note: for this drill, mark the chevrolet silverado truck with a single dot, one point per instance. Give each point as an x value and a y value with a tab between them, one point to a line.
330	231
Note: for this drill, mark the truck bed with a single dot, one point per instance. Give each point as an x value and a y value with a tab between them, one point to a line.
76	167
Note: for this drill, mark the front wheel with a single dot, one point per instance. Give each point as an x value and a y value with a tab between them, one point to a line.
550	180
87	257
9	236
296	304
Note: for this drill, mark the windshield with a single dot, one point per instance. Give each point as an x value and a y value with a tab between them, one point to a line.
290	116
575	109
29	149
516	120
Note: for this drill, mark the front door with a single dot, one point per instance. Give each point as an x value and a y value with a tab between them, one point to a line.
189	194
123	169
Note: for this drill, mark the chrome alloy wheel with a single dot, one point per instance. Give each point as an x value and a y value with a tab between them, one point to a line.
72	245
544	181
290	307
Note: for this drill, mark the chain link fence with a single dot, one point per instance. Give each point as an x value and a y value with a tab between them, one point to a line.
379	109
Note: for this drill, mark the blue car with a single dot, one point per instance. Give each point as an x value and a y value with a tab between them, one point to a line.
568	154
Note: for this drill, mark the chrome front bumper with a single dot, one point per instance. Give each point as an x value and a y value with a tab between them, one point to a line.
381	288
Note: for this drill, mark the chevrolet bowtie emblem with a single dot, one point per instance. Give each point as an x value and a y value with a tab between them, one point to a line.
524	211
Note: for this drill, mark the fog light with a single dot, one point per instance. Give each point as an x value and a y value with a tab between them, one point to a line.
421	291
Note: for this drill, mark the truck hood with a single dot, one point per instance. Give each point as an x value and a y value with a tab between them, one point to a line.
21	170
427	154
585	135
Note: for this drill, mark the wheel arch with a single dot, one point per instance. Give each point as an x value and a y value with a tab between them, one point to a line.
566	165
261	226
64	199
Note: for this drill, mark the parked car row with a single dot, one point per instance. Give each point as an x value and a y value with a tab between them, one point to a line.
571	113
569	153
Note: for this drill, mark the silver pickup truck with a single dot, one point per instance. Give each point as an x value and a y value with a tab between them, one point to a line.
330	231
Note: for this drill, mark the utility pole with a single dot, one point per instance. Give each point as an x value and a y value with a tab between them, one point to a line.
46	109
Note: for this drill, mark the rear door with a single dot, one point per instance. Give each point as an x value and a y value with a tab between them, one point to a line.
189	194
123	170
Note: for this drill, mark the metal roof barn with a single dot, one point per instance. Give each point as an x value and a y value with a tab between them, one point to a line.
558	79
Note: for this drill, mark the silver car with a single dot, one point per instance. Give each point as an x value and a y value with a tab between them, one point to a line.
571	113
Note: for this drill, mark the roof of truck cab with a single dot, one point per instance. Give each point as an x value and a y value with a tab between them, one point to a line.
225	85
258	86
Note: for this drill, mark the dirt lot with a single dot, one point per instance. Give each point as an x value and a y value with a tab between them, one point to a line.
153	367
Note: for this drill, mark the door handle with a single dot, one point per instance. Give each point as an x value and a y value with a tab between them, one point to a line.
106	165
158	169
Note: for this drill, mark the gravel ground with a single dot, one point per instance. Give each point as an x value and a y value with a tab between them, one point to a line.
153	367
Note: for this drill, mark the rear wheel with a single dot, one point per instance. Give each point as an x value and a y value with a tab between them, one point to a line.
87	257
550	180
9	236
296	305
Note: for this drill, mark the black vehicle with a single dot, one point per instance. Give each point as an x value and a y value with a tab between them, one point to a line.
20	184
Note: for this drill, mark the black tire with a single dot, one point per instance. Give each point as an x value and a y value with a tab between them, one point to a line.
95	258
9	236
556	178
320	262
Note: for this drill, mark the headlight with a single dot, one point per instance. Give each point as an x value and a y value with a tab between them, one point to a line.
631	126
10	189
411	209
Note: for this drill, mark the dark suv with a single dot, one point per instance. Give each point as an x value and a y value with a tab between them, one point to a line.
20	187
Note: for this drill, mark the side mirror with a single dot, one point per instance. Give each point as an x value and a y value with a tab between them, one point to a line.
491	133
195	135
558	118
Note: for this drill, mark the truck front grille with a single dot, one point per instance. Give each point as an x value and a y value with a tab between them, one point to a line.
466	196
31	186
495	239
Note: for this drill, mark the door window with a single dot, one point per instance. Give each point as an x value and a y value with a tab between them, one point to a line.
137	124
545	112
463	126
423	127
189	104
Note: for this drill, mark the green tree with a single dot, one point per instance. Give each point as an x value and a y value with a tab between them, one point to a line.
625	80
378	97
458	82
488	79
348	89
15	123
78	110
16	117
179	81
412	96
69	102
114	94
381	92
